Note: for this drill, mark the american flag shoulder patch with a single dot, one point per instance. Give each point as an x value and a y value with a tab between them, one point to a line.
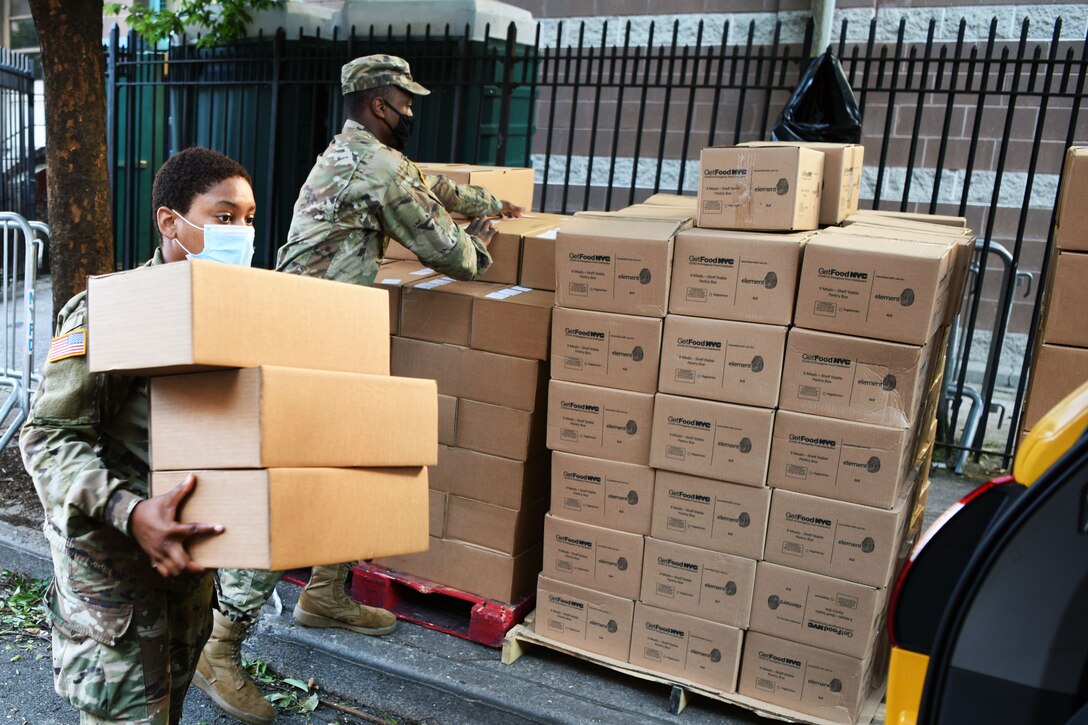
72	344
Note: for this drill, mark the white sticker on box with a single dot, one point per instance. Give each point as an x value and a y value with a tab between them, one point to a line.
432	283
550	234
389	281
422	272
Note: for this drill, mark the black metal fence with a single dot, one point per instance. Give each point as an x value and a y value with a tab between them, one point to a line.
17	152
974	128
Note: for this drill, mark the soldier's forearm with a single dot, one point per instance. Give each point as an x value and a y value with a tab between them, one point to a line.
464	199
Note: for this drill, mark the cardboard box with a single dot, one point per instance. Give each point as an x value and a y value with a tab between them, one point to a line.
538	255
710	514
513	321
711	439
1068	301
490	479
728	275
733	362
507	243
1071	232
483	572
499	431
656	211
768	189
820	611
269	514
601	348
690	203
685	647
590	556
447	420
600	422
856	285
1056	373
615	265
592	621
838	539
853	378
439	309
436	513
429	361
706	584
198	315
957	222
841	177
830	686
603	493
272	417
392	276
510	531
515	185
839	459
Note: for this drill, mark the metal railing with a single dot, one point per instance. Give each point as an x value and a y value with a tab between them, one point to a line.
24	244
967	127
17	157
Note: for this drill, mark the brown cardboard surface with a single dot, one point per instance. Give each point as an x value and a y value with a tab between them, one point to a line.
591	620
594	557
484	572
853	378
439	309
1071	232
600	422
507	183
513	321
803	678
682	201
733	362
857	285
710	514
730	275
392	276
499	431
430	361
269	514
686	647
615	264
603	493
436	513
706	584
873	214
1065	324
510	531
1057	372
678	213
839	459
602	348
711	439
841	177
770	189
199	315
816	610
505	249
490	479
835	538
447	420
512	382
273	417
538	255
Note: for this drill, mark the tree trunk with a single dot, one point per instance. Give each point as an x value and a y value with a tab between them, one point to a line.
81	243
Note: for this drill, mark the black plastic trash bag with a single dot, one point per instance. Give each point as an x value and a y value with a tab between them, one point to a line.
822	107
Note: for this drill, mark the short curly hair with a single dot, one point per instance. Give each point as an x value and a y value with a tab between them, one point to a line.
188	174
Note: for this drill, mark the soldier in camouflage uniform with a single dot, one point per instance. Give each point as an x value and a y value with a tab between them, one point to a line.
130	612
361	191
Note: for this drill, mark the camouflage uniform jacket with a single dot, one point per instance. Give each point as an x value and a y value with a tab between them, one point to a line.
86	447
359	192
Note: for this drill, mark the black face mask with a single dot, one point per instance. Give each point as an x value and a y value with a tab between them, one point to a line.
402	132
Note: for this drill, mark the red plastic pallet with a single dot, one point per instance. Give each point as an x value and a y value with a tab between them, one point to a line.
436	606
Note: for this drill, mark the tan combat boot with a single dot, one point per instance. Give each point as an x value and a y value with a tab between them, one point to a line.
323	603
220	676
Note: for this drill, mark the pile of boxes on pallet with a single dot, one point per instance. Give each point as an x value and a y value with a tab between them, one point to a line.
732	495
1061	358
304	447
486	344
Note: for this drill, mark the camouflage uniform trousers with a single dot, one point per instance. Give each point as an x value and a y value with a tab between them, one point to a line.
127	659
242	592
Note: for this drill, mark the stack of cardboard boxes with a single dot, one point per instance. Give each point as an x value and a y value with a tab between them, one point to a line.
304	447
1061	358
783	462
486	344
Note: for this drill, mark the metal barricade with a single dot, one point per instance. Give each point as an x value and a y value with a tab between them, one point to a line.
23	242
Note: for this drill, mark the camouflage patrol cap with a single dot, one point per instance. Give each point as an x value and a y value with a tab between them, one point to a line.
375	71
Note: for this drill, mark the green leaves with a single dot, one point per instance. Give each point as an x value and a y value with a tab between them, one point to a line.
21	602
294	695
219	23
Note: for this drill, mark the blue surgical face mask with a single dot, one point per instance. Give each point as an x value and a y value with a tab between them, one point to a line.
227	243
